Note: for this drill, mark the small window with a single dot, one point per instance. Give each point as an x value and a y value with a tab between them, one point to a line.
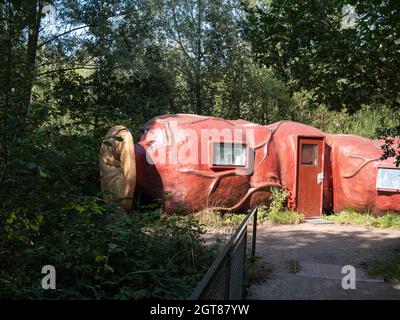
309	154
229	154
388	178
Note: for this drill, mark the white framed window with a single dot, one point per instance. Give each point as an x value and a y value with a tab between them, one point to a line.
388	179
229	154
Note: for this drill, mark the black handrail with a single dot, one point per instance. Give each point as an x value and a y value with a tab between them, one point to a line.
224	259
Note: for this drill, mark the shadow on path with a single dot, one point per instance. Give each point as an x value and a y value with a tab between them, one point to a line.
283	246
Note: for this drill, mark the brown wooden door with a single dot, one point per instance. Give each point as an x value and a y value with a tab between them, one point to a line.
310	177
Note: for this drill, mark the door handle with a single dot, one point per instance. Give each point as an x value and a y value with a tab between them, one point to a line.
320	177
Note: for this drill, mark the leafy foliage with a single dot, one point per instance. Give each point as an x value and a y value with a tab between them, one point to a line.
133	257
391	147
342	52
276	213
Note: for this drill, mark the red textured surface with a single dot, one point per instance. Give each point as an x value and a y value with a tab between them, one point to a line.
355	162
350	167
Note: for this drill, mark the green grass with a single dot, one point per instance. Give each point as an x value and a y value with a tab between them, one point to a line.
278	216
253	267
218	220
275	213
389	270
285	217
349	216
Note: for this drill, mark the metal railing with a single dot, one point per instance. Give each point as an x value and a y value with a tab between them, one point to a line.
225	279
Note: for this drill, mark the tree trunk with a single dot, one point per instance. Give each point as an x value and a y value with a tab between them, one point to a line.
7	88
34	20
199	102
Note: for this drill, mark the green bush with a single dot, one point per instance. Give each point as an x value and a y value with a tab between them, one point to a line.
276	213
278	200
262	213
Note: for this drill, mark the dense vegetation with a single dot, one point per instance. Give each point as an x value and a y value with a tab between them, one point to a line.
70	69
108	256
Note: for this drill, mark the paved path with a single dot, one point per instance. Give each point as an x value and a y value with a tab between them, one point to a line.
283	247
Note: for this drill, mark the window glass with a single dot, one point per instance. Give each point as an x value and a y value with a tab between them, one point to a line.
229	154
388	178
309	154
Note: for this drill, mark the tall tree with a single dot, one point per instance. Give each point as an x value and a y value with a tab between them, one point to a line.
35	8
200	37
345	52
19	28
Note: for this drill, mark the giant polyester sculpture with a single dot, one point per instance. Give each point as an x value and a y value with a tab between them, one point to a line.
197	162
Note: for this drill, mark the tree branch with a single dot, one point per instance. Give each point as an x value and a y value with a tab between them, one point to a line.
66	69
61	35
179	39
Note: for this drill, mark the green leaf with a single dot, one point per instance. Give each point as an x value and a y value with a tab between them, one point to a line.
34	227
11	218
101	258
79	208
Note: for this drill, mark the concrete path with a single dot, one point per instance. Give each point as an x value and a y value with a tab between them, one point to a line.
328	246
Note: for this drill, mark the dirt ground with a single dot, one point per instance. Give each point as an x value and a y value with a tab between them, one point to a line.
285	247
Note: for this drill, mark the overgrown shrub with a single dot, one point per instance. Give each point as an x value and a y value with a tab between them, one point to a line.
262	213
276	212
101	254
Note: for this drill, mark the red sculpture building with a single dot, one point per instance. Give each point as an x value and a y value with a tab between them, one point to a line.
199	162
